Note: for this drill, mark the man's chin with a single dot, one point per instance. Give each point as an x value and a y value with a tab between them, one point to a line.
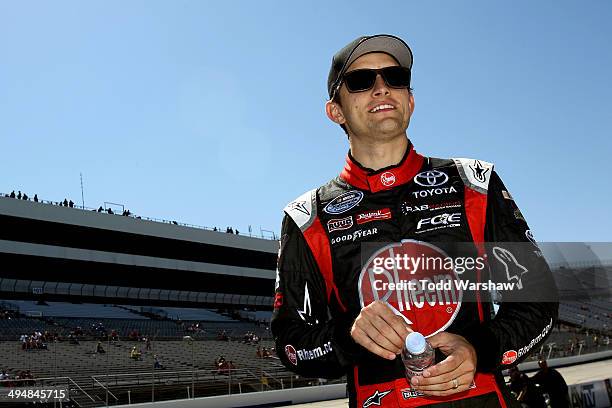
390	127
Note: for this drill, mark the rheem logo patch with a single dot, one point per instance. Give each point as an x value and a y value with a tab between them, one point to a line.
426	296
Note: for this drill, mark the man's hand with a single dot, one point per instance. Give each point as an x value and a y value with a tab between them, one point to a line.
453	374
380	331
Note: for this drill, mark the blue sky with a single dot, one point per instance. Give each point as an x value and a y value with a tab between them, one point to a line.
212	113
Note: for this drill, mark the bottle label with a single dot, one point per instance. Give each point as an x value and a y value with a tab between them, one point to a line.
412	373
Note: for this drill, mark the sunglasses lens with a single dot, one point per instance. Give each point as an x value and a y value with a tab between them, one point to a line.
360	80
396	77
364	79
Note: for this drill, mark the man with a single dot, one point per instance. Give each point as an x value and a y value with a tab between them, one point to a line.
525	390
333	313
552	383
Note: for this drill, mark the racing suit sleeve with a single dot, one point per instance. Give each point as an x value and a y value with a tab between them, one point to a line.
528	312
307	340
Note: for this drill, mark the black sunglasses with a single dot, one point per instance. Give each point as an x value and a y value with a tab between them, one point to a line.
361	80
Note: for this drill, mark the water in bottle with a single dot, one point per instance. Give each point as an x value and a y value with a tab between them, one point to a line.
417	355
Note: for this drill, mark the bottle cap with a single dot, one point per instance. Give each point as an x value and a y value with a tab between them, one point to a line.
416	343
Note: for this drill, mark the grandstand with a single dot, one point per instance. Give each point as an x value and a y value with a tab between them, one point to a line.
78	280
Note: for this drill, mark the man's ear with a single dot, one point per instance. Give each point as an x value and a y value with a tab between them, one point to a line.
411	103
334	112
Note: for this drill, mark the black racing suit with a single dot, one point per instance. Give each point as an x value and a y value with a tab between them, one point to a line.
433	203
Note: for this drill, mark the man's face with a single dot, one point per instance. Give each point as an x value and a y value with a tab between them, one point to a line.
360	111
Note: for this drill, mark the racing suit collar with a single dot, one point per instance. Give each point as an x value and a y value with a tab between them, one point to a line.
386	178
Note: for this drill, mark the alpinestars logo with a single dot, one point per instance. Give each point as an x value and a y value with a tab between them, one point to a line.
479	172
306	310
375	398
514	270
299	206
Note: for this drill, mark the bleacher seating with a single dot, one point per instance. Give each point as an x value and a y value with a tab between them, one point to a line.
182	313
65	309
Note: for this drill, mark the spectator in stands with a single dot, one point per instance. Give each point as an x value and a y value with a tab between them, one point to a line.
222	336
552	383
25	196
134	335
114	336
99	348
19	195
12	194
135	354
73	339
100	209
148	343
35	198
70	204
158	365
65	203
258	352
215	229
110	211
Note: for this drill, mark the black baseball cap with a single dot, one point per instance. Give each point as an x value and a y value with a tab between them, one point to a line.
389	44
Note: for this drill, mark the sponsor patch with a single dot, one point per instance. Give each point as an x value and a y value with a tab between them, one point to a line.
355	236
375	399
344	202
524	350
317	352
509	357
431	178
435	191
387	178
409	393
408	207
382	214
338	224
291	354
440	221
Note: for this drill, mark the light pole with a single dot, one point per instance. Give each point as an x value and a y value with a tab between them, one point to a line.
189	339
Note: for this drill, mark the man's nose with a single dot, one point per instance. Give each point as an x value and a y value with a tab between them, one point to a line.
380	87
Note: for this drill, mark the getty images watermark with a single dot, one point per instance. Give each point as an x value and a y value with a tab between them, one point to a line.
444	267
411	272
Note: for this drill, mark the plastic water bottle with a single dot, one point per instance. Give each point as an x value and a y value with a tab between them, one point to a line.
417	354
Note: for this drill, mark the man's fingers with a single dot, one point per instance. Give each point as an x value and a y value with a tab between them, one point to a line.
442	378
362	338
438	340
378	331
462	382
447	365
389	334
